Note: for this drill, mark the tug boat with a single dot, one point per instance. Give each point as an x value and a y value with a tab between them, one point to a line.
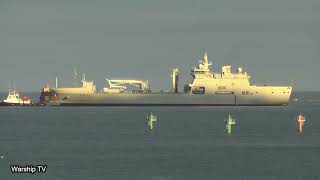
13	99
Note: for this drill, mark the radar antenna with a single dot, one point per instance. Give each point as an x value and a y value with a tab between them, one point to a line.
205	63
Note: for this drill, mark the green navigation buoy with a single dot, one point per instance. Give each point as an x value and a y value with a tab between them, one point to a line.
151	120
229	122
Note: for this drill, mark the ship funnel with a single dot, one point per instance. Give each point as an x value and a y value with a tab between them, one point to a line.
175	78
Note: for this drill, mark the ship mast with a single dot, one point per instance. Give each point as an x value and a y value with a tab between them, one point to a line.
9	86
205	61
75	76
56	81
14	86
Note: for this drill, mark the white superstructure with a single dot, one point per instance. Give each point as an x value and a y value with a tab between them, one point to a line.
236	84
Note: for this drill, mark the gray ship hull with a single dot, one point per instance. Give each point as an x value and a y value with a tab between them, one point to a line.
102	99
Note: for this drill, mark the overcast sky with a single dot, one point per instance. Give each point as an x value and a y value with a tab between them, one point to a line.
276	41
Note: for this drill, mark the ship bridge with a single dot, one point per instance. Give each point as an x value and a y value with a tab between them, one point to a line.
203	69
205	80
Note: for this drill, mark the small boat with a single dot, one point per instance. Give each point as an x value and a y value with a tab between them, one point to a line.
13	99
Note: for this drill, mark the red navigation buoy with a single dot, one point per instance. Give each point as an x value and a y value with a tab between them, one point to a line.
301	120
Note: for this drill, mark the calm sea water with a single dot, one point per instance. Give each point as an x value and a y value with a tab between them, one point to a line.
186	143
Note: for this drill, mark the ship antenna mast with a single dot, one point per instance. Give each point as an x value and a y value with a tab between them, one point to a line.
292	82
14	86
205	58
9	86
75	75
56	81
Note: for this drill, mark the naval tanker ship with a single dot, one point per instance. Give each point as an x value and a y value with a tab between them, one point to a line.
206	89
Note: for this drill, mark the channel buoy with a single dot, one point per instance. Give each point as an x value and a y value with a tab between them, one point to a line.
151	120
301	120
229	121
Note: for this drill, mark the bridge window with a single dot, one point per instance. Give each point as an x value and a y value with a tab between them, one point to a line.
246	93
199	90
199	72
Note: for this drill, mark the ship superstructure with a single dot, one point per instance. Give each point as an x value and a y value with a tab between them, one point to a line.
235	84
206	88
